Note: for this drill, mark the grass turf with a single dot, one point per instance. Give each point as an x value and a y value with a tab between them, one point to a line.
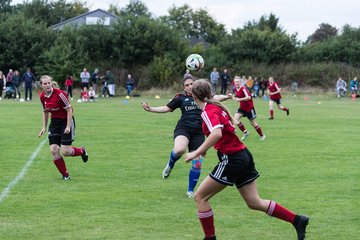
308	163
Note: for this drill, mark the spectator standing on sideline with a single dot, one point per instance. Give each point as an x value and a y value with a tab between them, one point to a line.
275	96
2	83
109	77
95	79
16	84
214	78
84	78
354	86
29	79
187	74
294	86
249	84
236	167
62	126
129	84
225	80
340	87
69	84
9	78
263	86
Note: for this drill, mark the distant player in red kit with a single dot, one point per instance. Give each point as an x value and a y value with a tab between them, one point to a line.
62	125
236	166
246	109
274	93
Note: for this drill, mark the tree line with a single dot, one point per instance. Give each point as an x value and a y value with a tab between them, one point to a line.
154	48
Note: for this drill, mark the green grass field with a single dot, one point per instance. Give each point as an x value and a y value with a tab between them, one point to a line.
308	163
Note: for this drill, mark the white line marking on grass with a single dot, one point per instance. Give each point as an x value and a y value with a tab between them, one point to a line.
22	173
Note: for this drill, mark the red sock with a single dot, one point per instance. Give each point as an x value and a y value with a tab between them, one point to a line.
284	109
77	151
258	129
271	113
278	211
242	127
61	166
207	223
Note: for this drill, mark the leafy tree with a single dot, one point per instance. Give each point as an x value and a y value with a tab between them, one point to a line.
5	6
137	42
258	46
22	41
198	24
269	23
324	32
64	57
52	12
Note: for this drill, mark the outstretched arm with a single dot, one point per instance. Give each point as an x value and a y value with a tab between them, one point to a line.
161	109
221	98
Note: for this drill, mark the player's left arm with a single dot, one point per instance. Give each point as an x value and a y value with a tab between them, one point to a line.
69	112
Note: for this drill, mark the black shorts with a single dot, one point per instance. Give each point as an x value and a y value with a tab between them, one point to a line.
56	133
237	168
250	115
278	101
196	137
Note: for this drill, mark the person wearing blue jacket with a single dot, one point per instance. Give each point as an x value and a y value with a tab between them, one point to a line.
29	78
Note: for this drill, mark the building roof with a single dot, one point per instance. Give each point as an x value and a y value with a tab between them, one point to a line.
83	15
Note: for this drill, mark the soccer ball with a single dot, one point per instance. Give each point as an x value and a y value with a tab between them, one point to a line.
194	62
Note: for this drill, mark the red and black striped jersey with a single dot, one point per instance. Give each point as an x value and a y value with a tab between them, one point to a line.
241	93
55	103
273	88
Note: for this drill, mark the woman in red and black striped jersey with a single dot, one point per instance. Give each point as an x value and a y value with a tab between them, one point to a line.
275	96
62	126
235	167
247	109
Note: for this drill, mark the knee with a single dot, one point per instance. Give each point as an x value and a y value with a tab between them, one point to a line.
54	149
199	199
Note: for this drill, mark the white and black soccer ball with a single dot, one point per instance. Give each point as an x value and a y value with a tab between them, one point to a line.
194	62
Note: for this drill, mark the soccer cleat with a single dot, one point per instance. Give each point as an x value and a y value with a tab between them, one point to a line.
190	194
84	156
262	138
300	224
166	172
287	112
271	118
66	177
244	136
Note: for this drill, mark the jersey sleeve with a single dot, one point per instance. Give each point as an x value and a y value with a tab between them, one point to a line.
64	101
175	102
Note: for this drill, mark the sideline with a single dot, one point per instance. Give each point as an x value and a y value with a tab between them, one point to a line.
6	191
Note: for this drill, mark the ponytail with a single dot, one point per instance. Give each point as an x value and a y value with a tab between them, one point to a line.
202	91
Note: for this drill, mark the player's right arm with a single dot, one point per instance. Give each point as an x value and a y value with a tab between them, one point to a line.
161	109
45	122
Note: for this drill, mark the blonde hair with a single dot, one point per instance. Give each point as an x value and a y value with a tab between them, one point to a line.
43	77
53	83
202	91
